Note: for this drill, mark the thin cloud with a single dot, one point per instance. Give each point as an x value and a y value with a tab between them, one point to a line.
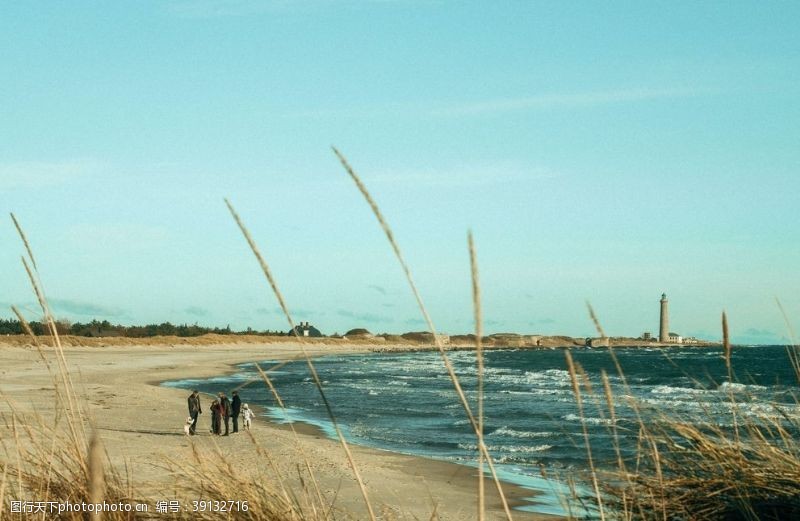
297	313
501	105
196	311
379	289
465	176
364	317
564	100
28	175
119	236
759	333
86	309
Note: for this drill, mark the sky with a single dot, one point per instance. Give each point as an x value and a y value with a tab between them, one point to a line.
602	152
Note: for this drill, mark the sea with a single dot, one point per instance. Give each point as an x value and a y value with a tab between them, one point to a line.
405	402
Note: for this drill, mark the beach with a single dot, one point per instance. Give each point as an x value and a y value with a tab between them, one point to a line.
140	425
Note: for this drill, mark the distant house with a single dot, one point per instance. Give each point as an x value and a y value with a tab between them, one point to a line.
647	335
675	338
305	329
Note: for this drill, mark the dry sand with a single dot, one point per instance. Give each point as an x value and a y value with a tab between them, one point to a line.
141	425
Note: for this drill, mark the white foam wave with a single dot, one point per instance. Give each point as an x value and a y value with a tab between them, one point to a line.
506	431
519	449
589	419
668	389
738	388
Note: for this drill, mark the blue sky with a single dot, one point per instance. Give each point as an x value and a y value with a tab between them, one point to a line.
599	151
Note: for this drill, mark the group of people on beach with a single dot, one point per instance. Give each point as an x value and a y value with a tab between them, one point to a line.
223	411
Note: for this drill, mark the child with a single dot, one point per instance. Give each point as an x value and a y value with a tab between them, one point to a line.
187	426
247	415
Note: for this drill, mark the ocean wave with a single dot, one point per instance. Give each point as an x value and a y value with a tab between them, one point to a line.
512	458
668	389
676	403
506	431
770	411
589	419
549	377
500	449
538	392
738	388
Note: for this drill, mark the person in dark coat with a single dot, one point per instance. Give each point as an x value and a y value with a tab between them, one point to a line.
225	411
236	409
194	410
215	417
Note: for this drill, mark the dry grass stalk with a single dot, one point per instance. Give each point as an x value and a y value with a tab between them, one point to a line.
727	351
3	490
19	453
76	425
431	328
726	345
298	444
27	328
317	382
478	315
97	481
573	375
24	240
612	411
595	321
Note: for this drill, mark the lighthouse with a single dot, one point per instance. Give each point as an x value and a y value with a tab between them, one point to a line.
663	330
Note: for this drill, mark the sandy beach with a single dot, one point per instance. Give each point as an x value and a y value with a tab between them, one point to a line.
141	426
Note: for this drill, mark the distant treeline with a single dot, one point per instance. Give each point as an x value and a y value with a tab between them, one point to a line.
97	328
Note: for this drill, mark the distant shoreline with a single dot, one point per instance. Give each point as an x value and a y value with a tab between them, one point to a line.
375	343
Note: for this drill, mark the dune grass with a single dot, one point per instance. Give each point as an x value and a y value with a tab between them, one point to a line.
57	461
748	471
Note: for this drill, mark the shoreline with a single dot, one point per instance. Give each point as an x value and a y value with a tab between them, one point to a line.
375	344
140	423
517	494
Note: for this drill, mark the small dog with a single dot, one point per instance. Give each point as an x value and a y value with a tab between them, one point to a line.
187	426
